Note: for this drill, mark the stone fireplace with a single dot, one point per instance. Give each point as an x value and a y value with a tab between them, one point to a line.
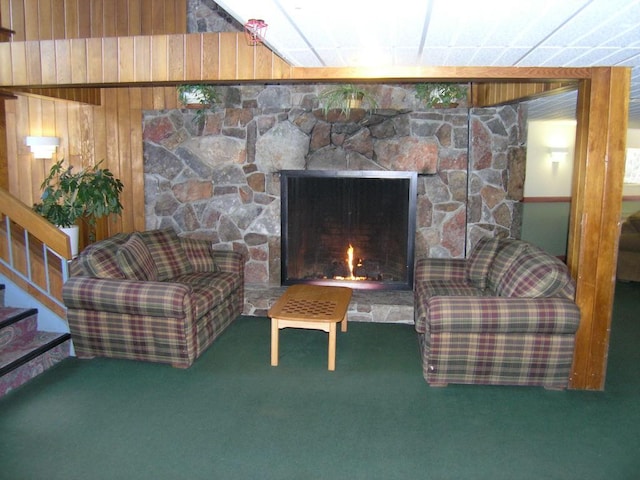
220	179
351	228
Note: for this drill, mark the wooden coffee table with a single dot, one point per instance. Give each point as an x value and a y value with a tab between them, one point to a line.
313	307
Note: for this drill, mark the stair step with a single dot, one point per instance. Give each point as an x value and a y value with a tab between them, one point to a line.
24	350
17	325
35	361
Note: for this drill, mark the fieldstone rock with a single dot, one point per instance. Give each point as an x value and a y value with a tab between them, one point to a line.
160	161
157	129
215	151
282	148
407	153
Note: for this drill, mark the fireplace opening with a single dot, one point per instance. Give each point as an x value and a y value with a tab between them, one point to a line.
350	228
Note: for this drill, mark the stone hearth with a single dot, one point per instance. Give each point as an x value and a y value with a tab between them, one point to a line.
381	306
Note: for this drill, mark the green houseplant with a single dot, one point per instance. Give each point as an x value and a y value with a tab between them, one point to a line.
199	96
69	195
441	95
345	97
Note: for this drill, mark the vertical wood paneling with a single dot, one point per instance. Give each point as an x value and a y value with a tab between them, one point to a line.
71	22
97	15
228	61
245	59
211	55
142	56
126	60
193	56
112	131
79	64
175	57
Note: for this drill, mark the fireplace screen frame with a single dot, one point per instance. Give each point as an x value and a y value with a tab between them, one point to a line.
412	191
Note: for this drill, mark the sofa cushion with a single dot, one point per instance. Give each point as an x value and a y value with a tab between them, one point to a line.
508	252
209	289
136	261
200	255
99	259
535	274
480	261
167	253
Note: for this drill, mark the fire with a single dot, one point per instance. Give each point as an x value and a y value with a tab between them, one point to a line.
350	262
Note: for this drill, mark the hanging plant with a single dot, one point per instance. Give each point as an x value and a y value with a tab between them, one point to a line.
345	97
199	96
441	95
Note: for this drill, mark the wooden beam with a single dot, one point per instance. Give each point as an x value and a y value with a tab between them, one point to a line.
212	57
603	104
90	96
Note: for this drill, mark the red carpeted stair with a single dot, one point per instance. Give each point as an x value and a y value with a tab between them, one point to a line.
24	350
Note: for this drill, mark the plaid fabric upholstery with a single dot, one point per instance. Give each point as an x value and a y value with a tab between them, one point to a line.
480	260
471	335
131	297
200	255
452	269
502	315
508	252
170	321
136	261
99	259
499	359
166	250
535	274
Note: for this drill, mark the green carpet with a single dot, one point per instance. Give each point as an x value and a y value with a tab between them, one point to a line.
233	416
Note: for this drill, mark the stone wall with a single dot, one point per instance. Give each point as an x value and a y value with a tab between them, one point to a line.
217	178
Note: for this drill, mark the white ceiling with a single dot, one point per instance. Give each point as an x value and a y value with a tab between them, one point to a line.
554	33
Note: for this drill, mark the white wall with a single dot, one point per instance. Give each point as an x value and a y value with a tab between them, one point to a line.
544	178
633	141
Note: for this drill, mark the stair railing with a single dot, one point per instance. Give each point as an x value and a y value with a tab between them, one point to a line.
33	253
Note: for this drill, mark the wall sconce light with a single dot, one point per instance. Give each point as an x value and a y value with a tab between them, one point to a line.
558	155
42	147
255	30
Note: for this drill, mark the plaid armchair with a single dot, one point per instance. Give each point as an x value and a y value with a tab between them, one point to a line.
506	315
152	296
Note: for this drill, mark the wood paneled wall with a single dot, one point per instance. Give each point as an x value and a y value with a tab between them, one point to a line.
110	132
53	19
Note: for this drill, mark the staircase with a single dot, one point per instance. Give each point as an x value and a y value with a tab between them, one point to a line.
24	350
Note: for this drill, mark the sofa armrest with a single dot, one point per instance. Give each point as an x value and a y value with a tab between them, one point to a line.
552	315
450	269
158	299
228	261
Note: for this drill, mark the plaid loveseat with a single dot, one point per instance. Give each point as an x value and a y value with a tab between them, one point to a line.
152	296
505	315
629	250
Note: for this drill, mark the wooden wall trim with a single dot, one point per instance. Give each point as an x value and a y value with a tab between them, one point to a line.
546	200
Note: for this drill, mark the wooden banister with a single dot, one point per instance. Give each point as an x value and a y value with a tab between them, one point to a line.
35	224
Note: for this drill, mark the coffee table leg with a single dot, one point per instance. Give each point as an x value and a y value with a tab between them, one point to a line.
344	323
274	342
332	346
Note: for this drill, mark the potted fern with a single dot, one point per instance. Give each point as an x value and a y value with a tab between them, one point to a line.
345	97
69	195
198	96
441	95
